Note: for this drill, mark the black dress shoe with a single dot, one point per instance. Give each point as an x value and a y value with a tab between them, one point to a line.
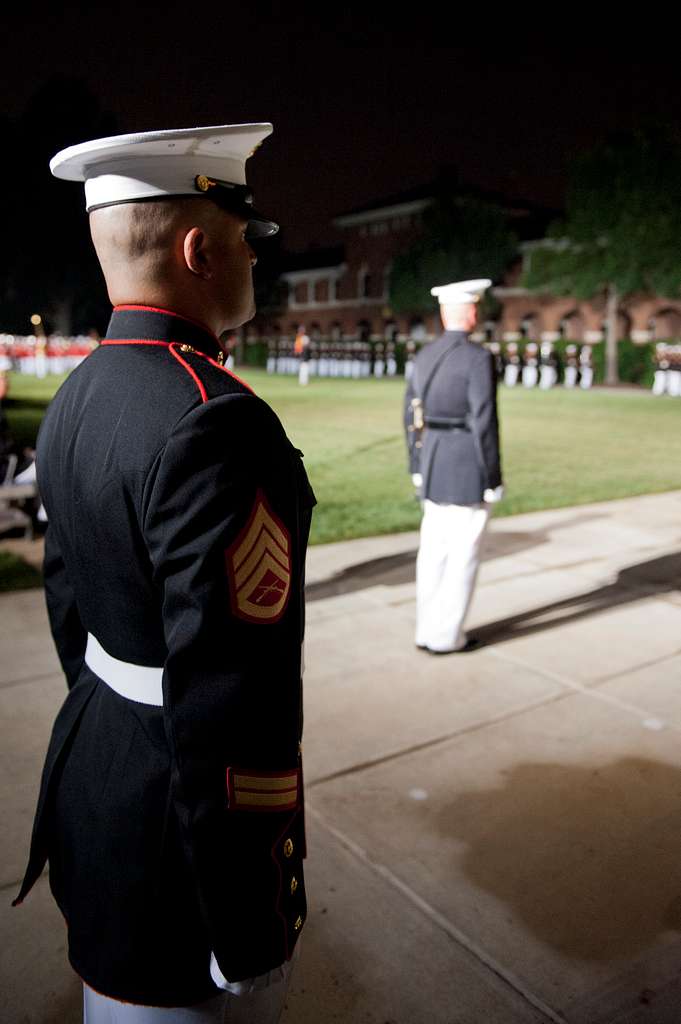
471	644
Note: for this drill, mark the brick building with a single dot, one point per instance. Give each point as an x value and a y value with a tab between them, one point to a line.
344	292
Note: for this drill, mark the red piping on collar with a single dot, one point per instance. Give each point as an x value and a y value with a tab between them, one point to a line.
197	381
167	312
132	341
169	344
224	369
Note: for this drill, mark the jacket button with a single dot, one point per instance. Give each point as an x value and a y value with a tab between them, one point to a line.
294	884
298	923
288	848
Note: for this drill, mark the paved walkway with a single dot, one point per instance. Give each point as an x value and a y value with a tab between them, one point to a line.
495	838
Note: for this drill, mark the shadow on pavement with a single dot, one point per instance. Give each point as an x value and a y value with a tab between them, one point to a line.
658	576
393	570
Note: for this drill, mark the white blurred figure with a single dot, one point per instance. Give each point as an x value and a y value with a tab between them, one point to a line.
512	368
301	350
390	360
379	360
586	369
674	371
548	372
571	366
531	365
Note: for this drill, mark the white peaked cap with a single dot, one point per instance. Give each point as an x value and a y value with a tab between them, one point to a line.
461	292
178	162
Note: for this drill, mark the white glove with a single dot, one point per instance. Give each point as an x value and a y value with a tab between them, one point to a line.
417	479
493	494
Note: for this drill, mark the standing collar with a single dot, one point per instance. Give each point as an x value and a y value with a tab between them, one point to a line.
146	323
456	335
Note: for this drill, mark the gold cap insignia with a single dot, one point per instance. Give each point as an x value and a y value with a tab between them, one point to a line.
259	566
203	183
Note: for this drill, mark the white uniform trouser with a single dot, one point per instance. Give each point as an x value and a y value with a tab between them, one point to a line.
530	376
587	376
511	375
674	383
303	373
547	377
446	568
570	376
261	1005
660	382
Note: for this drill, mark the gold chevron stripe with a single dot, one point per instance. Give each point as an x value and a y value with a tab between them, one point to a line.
246	799
246	590
258	782
261	519
264	545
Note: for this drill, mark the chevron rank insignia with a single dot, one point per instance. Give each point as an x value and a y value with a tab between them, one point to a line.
262	791
259	566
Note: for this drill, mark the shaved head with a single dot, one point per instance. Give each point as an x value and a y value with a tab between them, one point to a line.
140	239
184	254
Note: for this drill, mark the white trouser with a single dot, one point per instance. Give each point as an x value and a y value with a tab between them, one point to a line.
304	373
570	376
674	383
261	1005
587	376
446	568
660	382
530	376
511	375
547	377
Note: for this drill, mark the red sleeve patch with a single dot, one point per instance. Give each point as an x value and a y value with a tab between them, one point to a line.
259	566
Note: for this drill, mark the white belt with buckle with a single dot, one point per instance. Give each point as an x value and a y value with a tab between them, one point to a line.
136	682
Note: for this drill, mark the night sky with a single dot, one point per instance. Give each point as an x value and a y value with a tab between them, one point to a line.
365	102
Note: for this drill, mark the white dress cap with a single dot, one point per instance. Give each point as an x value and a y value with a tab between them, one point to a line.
461	292
178	162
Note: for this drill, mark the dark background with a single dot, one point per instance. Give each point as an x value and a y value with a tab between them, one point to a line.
365	101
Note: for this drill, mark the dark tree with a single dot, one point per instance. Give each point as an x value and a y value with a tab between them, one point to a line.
621	232
463	238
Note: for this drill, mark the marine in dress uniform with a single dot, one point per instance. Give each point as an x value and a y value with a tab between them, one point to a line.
453	443
571	366
548	363
171	803
512	368
586	367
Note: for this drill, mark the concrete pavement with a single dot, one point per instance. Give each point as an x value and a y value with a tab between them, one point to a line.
495	838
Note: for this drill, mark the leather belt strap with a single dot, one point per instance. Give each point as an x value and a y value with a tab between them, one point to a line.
446	423
135	682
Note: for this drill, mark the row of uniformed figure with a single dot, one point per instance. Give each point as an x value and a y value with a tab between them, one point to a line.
535	366
540	365
667	376
39	356
333	358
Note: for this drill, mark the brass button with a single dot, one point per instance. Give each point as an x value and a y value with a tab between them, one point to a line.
186	348
221	358
294	884
288	848
298	923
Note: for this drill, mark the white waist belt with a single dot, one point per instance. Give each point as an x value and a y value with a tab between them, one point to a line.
136	682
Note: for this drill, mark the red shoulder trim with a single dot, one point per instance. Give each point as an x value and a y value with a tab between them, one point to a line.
224	369
132	341
190	371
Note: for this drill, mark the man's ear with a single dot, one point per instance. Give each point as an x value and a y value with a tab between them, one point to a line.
196	254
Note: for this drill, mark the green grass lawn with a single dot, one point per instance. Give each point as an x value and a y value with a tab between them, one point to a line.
559	448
